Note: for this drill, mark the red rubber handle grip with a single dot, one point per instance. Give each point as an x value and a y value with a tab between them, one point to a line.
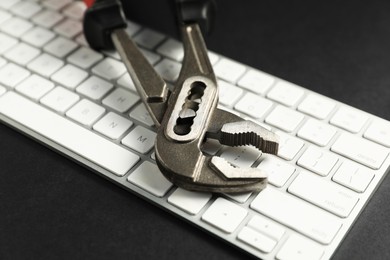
89	3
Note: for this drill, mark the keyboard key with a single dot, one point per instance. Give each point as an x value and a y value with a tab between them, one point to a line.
126	82
288	146
25	9
94	88
349	119
2	90
267	227
297	214
379	132
2	62
121	100
7	4
16	26
277	170
317	132
325	194
189	201
256	81
318	160
298	247
69	28
360	150
45	65
112	125
140	139
224	215
60	47
239	197
253	105
317	106
85	112
56	4
38	36
84	57
213	57
69	76
242	156
256	240
152	57
229	70
11	75
141	114
148	177
353	176
172	49
149	38
22	53
77	139
75	10
47	18
168	69
35	87
6	42
109	69
60	99
286	93
228	93
284	118
4	16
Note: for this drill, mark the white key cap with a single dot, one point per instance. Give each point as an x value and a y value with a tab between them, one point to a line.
298	247
228	93
69	76
60	99
126	82
152	57
284	118
16	26
109	69
266	227
213	57
168	69
11	75
60	47
50	125
112	53
6	42
229	70
38	36
85	112
224	215
7	4
121	100
239	197
277	170
379	132
149	38
349	119
297	214
243	156
148	177
25	9
45	65
288	146
317	106
75	10
256	81
84	57
286	93
173	49
360	150
324	194
47	18
353	176
317	132
22	53
112	125
4	16
141	114
56	4
190	201
2	90
94	88
140	139
69	28
35	87
317	160
81	40
253	105
2	62
256	239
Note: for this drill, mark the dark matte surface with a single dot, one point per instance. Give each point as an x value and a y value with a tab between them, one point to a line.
50	207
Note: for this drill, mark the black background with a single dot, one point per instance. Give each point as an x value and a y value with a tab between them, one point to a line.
50	207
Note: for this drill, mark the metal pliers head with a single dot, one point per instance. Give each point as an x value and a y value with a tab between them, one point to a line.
188	115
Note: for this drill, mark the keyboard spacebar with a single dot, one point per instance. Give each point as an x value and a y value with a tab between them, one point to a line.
67	134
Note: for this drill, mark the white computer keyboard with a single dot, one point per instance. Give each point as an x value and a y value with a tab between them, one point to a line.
83	104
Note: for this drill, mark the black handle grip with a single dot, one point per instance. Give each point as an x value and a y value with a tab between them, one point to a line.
202	12
100	21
